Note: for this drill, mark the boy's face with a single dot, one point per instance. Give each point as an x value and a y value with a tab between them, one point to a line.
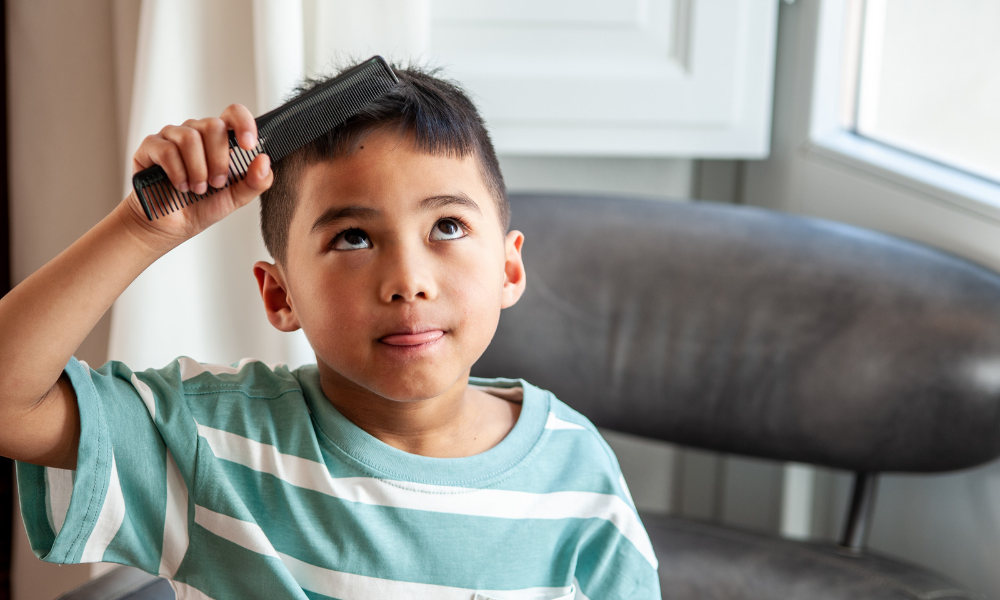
396	269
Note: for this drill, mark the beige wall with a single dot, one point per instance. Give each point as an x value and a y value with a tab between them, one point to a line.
69	80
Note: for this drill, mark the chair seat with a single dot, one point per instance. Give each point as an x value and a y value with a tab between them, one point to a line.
703	561
123	583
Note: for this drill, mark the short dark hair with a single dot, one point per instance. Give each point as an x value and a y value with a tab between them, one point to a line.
438	114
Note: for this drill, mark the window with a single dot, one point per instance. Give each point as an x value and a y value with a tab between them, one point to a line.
925	79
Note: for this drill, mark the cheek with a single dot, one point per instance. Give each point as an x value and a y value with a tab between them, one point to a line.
477	285
328	308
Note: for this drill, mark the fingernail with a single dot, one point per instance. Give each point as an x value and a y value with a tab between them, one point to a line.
183	187
200	188
218	181
248	141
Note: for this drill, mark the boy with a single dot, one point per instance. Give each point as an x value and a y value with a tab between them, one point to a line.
382	471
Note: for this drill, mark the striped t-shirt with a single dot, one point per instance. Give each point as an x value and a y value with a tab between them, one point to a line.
245	482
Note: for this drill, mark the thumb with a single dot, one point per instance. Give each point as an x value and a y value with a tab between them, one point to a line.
258	178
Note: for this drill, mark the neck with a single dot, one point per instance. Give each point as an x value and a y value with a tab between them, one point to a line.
461	421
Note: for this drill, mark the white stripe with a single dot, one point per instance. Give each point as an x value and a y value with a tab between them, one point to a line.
184	591
347	585
554	422
175	522
192	368
505	504
146	394
108	522
579	592
624	486
59	486
360	587
242	533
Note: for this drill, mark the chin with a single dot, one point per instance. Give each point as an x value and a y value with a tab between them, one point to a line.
407	392
412	387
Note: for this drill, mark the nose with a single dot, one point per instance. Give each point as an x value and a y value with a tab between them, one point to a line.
408	275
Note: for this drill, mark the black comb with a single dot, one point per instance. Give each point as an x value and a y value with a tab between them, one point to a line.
279	132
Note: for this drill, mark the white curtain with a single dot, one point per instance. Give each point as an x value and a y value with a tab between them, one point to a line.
195	57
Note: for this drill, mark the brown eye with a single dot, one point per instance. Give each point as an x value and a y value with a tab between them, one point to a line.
447	229
352	239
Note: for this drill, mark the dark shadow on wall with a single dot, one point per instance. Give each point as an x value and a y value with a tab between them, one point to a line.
6	465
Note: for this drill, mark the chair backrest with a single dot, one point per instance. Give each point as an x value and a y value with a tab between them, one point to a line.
747	331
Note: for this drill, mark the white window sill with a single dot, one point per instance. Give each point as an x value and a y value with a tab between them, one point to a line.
975	194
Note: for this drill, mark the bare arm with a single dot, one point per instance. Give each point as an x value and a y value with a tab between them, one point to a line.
45	318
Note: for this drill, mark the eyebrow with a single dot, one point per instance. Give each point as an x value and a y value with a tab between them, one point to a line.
441	201
334	214
331	215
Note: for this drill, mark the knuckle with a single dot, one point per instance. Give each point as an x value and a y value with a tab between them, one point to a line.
166	130
189	135
215	125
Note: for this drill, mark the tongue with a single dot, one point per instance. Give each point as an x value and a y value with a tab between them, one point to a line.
412	339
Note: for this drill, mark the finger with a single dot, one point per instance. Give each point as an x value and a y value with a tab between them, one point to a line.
215	138
239	119
258	178
192	150
155	150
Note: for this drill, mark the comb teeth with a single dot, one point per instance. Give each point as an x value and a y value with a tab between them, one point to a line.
159	197
279	132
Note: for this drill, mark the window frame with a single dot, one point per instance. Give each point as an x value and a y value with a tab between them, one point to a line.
828	139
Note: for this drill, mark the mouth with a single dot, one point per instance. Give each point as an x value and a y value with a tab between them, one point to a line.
412	338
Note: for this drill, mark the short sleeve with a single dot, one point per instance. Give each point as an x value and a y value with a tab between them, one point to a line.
618	561
126	494
610	565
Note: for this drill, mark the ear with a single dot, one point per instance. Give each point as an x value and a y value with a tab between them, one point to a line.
514	275
277	300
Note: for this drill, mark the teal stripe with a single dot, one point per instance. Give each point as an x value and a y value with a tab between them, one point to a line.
226	571
142	475
255	379
31	494
415	545
93	472
282	422
564	461
609	566
139	540
175	417
214	490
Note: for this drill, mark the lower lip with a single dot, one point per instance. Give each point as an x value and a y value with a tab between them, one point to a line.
413	339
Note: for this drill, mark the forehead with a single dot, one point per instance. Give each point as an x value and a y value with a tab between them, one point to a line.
386	171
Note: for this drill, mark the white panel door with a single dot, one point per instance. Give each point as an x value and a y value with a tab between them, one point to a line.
688	78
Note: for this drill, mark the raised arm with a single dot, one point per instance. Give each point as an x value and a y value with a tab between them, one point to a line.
47	316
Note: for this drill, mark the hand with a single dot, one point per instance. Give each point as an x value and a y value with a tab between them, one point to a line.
195	155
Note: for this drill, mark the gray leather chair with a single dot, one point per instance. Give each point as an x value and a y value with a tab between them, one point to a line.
745	331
